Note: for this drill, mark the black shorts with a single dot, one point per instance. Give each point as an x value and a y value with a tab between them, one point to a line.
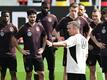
104	59
49	54
8	61
104	63
29	62
65	57
93	58
71	76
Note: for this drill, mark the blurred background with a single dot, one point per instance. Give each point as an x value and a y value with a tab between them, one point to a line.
58	7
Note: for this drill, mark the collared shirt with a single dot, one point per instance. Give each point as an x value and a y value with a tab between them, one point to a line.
49	22
32	37
6	34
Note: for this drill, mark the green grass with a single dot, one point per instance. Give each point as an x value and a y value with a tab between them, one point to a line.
58	68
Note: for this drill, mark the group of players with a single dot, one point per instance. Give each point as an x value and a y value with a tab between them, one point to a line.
45	26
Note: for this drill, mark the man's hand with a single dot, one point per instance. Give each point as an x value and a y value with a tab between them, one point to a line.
101	45
49	43
25	52
40	51
61	38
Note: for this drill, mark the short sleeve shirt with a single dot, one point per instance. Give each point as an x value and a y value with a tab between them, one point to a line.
32	37
49	23
6	34
84	25
100	32
77	51
62	26
92	46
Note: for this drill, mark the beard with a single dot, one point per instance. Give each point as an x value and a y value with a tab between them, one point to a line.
32	21
80	14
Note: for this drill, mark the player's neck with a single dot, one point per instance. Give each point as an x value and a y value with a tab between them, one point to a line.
72	17
8	22
32	24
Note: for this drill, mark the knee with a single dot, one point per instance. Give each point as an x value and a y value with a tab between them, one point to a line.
92	69
29	74
40	73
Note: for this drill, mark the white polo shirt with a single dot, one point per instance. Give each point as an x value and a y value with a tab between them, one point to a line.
77	51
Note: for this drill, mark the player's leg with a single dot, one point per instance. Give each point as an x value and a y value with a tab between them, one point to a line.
50	57
104	65
28	67
91	62
104	61
3	74
13	75
100	64
64	64
39	68
65	74
12	64
4	62
92	73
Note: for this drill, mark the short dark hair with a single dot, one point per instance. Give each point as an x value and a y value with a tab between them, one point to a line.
96	10
4	12
31	11
44	3
74	5
80	4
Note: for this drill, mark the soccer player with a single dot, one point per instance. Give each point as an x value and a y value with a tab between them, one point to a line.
77	52
8	43
62	29
33	33
84	21
49	22
82	10
94	51
99	36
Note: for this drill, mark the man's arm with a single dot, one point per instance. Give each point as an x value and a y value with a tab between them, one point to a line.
40	51
44	42
15	44
58	36
57	44
99	44
89	33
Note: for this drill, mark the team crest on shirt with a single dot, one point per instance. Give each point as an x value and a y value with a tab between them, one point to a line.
37	29
50	19
11	29
29	33
1	33
103	30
